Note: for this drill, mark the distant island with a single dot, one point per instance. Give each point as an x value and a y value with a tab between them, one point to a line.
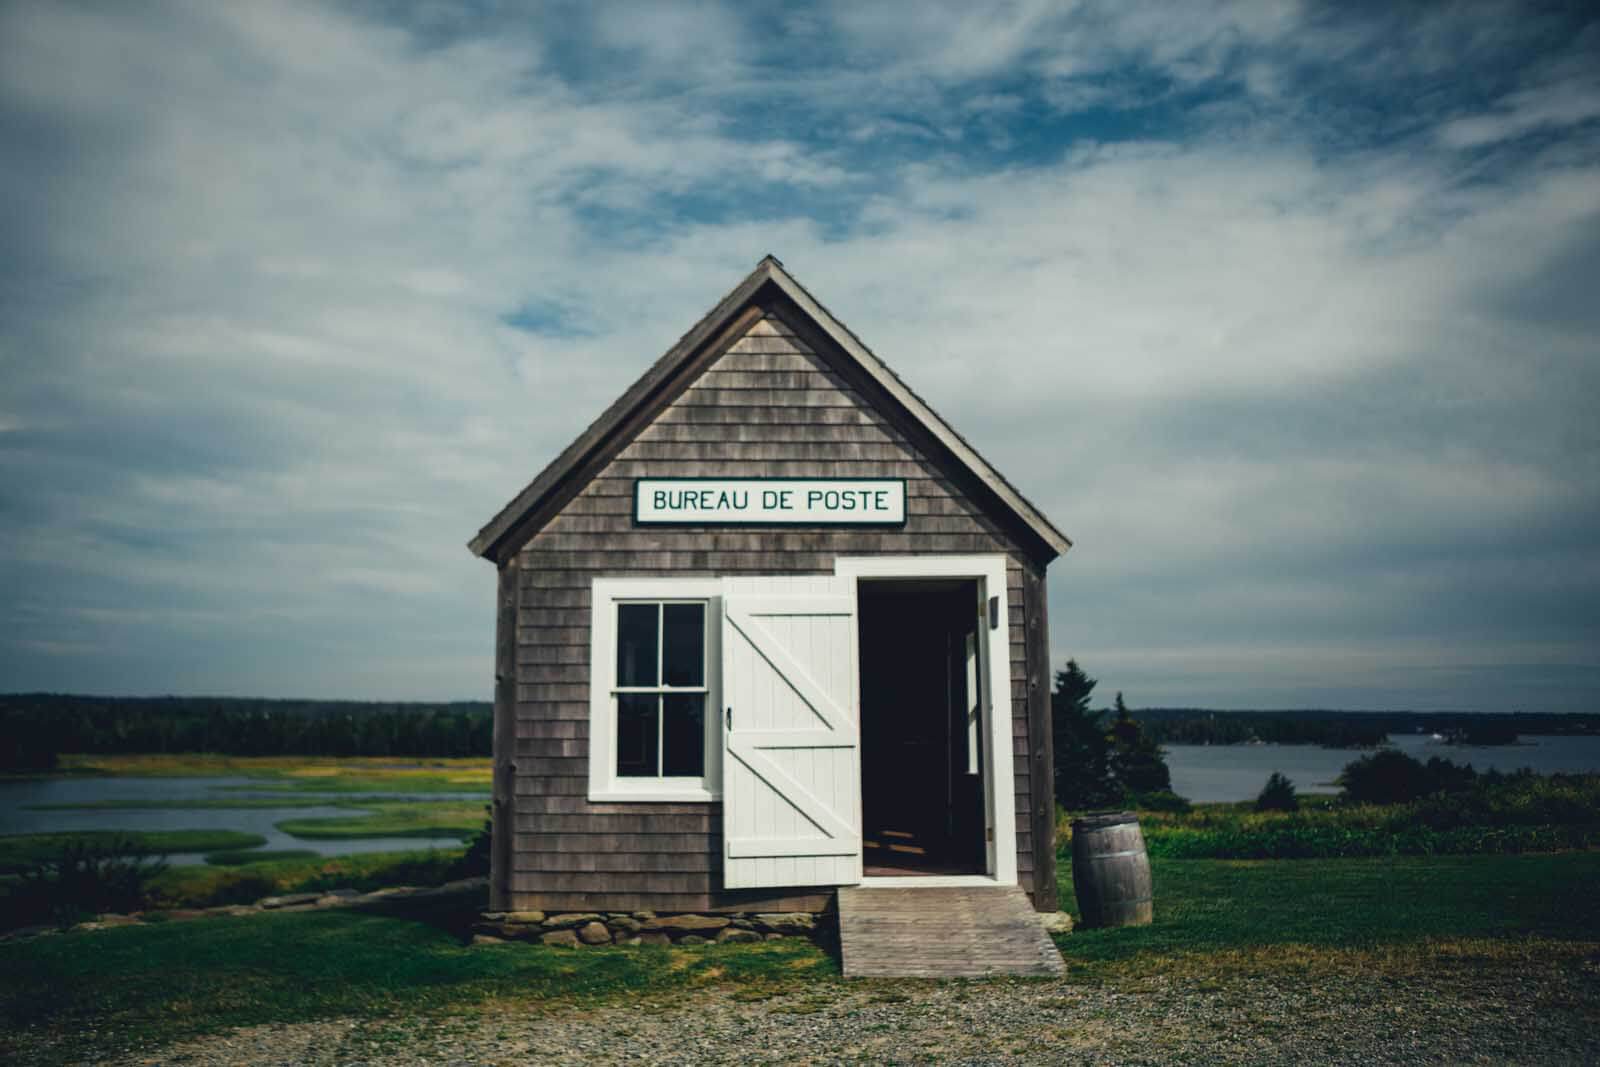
1352	729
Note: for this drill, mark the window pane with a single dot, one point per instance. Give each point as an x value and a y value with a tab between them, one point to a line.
683	650
636	644
636	735
683	721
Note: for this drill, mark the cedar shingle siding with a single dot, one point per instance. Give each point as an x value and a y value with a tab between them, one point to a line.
770	406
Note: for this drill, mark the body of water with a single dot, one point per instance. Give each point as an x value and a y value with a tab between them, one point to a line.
1202	773
20	802
1237	772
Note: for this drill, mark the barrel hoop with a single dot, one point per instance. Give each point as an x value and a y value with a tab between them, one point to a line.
1114	855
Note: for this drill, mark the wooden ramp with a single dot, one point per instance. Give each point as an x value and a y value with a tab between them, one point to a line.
942	933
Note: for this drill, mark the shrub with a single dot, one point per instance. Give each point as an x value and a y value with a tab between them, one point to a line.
1159	800
1520	799
1498	813
1447	777
85	878
1277	795
1385	777
1392	777
229	887
475	861
1300	841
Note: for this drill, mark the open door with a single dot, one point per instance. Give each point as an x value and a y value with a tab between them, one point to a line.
923	796
791	781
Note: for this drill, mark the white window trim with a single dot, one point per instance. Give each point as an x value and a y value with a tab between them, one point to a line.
604	784
1000	803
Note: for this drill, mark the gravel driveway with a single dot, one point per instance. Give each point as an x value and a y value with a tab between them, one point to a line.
1444	1010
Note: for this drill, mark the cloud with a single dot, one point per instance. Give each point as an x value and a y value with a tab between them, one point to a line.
1281	323
1527	111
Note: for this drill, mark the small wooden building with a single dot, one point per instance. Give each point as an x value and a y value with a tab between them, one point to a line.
768	627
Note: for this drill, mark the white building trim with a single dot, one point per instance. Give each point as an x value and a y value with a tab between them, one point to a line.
604	784
999	800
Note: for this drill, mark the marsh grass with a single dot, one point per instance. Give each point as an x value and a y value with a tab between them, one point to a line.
368	816
358	774
19	851
224	803
202	887
394	819
363	786
247	856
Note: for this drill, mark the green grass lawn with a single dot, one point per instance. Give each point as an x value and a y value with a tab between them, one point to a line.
163	982
18	851
108	989
1211	906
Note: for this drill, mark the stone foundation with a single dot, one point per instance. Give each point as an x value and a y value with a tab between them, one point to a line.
577	929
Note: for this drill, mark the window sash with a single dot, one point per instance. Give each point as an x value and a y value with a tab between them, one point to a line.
663	688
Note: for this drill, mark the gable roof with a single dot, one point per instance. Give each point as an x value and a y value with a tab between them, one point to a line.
493	541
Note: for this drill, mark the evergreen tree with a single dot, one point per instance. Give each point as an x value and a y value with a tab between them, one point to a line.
1277	795
1082	772
1136	762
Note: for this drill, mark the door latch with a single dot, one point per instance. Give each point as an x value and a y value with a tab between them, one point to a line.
730	719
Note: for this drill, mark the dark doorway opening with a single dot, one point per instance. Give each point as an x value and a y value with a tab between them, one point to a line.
922	785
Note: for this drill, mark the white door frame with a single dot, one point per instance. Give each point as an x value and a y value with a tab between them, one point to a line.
1000	805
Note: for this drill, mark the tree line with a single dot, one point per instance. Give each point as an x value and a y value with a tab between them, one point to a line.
1352	729
1240	728
35	728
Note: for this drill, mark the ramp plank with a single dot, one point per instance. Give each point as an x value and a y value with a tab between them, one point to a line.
942	933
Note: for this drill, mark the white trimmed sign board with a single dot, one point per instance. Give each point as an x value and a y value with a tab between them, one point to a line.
770	501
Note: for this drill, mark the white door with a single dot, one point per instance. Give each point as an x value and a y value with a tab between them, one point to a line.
791	772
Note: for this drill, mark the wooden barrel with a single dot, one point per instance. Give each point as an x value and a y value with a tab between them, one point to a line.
1110	870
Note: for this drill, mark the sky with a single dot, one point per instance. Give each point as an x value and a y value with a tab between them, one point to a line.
1287	314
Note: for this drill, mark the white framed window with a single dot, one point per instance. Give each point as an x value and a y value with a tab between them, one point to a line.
654	700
